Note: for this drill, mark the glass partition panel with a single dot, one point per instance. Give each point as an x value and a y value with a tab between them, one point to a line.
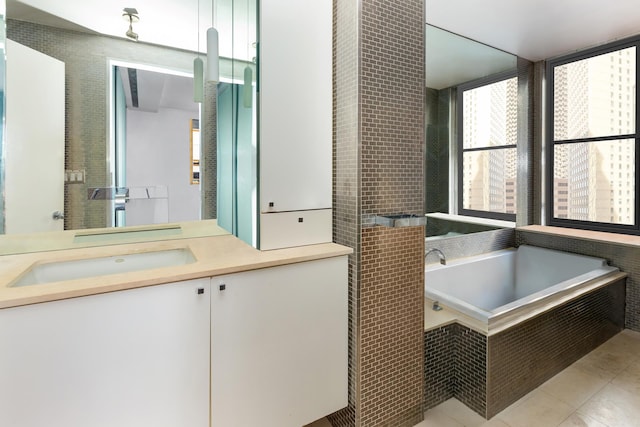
237	122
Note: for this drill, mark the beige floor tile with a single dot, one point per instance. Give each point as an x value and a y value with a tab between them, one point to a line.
539	410
613	406
461	413
629	379
631	334
573	386
437	417
604	363
320	423
422	424
625	343
579	420
494	422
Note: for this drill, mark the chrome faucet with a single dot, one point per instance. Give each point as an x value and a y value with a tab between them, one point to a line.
443	259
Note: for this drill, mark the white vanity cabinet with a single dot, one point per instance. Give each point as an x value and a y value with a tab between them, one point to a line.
136	357
296	131
279	344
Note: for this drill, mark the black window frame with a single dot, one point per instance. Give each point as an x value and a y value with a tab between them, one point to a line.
460	89
551	143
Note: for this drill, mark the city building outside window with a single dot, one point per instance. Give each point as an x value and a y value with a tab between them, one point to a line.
487	155
591	152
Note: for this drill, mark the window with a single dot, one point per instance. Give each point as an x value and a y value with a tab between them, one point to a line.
487	159
586	139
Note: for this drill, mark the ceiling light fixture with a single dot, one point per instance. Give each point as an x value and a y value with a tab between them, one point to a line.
131	14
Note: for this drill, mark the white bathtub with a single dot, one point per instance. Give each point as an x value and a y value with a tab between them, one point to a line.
514	284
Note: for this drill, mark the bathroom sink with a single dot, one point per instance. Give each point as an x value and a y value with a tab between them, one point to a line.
78	269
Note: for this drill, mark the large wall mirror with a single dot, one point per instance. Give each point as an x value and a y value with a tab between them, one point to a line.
128	108
452	61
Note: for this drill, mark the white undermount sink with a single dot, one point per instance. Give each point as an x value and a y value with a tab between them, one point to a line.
83	268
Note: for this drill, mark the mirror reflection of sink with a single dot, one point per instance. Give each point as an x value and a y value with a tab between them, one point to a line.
83	268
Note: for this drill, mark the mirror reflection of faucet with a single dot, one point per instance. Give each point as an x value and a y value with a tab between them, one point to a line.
443	259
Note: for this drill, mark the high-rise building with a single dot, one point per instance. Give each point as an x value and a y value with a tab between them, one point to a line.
595	181
490	119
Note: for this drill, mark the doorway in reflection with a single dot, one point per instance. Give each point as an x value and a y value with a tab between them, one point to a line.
151	176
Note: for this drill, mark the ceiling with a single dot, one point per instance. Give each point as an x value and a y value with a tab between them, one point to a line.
155	91
537	29
180	24
532	29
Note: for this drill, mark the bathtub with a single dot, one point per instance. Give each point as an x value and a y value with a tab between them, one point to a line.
512	285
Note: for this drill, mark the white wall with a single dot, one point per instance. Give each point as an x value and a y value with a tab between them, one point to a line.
158	154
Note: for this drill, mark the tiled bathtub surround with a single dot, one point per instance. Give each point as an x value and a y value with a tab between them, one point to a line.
378	170
519	359
455	366
599	390
625	257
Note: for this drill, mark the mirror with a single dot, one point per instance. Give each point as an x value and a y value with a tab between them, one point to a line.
89	55
451	60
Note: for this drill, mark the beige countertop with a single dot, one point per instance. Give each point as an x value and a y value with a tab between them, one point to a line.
598	236
215	255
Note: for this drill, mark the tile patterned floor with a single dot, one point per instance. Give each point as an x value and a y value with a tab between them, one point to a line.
600	390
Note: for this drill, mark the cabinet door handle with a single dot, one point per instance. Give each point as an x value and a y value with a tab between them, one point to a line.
200	291
222	287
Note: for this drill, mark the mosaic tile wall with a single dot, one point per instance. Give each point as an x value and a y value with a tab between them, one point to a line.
392	106
391	326
209	160
626	258
489	374
526	148
378	170
537	164
439	365
442	226
472	244
437	150
346	177
85	57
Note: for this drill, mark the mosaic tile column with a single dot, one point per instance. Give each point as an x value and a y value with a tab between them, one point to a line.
378	170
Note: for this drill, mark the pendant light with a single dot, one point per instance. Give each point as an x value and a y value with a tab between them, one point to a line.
198	69
213	67
198	80
247	88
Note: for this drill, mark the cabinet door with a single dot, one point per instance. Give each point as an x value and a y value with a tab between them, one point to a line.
296	98
130	358
279	344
